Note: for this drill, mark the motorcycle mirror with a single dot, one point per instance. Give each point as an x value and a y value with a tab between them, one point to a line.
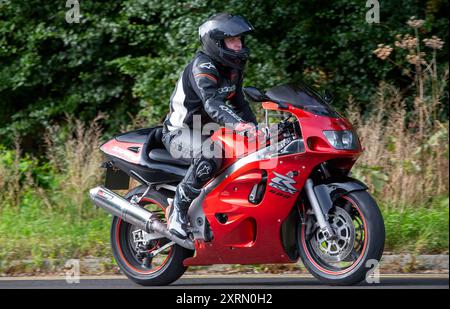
254	94
327	96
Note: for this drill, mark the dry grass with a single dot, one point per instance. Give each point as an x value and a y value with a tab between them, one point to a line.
10	174
406	158
399	163
76	157
74	161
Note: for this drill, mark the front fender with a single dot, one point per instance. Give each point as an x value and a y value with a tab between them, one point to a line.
327	193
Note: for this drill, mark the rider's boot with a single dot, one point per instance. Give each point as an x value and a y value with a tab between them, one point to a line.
177	212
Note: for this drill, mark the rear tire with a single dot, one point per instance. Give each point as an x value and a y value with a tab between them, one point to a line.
358	203
169	270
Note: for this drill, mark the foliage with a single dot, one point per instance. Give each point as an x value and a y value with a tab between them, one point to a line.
124	57
407	147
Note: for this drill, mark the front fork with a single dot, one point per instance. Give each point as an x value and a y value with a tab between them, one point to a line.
325	227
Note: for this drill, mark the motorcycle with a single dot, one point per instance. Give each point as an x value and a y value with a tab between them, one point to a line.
292	199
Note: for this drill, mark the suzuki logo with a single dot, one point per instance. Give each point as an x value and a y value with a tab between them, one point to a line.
283	183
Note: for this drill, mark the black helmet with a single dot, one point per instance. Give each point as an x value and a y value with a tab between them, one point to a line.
218	27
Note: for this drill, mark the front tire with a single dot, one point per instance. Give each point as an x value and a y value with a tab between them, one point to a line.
164	268
348	259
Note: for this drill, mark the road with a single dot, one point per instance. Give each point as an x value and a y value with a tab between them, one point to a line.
226	282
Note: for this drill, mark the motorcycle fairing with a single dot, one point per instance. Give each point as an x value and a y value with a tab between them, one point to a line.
252	234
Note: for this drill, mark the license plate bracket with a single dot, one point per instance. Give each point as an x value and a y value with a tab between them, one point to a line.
116	179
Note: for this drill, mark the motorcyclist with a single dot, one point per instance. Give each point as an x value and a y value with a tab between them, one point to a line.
209	89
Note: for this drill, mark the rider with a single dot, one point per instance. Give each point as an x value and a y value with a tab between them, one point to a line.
209	89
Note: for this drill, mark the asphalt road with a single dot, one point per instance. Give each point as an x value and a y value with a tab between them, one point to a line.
226	282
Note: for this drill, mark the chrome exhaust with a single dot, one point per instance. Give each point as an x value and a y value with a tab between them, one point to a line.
140	217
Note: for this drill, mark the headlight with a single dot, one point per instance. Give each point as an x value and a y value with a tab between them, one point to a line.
342	140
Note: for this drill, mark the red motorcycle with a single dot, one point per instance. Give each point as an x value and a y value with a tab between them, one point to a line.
292	199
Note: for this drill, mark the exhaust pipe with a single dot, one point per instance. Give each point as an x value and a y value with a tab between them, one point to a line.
145	220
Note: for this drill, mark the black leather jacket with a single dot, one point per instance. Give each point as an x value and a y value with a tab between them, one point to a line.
211	91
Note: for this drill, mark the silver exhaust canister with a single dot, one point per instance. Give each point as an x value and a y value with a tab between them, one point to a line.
140	217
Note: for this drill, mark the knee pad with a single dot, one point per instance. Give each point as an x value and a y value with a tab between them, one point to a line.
205	170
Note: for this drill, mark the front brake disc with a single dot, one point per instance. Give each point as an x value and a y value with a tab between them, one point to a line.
339	248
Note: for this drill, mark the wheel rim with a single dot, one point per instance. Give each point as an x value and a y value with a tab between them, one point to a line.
339	248
127	244
339	256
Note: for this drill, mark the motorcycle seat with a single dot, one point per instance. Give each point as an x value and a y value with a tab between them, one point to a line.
162	155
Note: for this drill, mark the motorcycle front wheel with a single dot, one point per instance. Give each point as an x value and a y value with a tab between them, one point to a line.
357	246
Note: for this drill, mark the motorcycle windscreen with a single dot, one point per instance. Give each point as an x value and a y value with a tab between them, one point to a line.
302	96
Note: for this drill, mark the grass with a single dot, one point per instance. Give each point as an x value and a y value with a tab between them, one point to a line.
34	234
45	212
419	229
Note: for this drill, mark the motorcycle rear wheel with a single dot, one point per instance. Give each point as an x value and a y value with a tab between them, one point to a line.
164	268
359	246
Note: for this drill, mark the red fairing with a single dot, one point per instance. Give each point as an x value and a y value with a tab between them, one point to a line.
312	127
235	146
252	233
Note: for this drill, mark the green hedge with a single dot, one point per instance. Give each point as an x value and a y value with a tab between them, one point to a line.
125	56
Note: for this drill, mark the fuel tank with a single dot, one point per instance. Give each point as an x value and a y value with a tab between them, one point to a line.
235	146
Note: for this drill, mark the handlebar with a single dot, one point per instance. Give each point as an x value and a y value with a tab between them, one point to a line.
285	129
